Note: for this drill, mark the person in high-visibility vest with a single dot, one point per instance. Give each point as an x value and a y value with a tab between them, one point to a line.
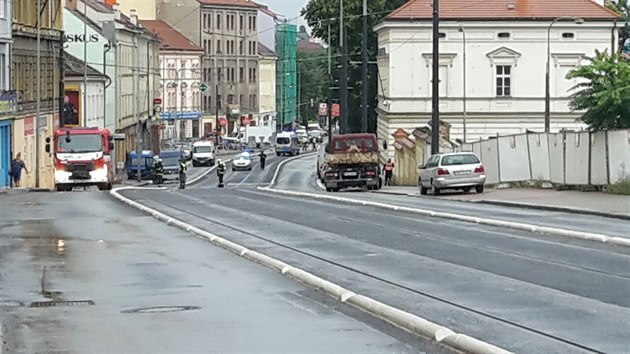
389	171
182	173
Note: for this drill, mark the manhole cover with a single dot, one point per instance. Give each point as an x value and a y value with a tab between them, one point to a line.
61	303
11	304
161	309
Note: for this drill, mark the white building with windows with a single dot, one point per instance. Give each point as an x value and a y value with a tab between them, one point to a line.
180	69
503	44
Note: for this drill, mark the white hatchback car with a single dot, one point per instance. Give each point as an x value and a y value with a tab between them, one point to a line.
457	170
243	162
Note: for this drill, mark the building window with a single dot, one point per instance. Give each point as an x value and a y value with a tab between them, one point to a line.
241	47
254	75
441	35
241	74
568	35
241	100
504	81
241	23
254	22
230	99
219	48
218	21
503	35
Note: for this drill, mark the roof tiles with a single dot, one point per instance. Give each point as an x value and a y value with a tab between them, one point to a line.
171	38
504	10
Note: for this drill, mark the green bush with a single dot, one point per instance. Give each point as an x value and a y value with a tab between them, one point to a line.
621	187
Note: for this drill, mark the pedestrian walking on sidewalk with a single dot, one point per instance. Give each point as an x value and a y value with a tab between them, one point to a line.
389	172
182	173
15	170
263	158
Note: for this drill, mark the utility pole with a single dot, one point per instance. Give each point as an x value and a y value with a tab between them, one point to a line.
343	75
85	60
216	108
39	90
364	72
136	81
435	116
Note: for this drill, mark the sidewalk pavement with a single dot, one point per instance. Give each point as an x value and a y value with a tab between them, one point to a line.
594	203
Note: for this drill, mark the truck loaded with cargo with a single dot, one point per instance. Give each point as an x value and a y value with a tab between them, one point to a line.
350	160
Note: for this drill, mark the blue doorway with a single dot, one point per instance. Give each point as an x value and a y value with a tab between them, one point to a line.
5	153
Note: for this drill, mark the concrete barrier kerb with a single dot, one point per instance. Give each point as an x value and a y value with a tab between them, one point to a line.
399	318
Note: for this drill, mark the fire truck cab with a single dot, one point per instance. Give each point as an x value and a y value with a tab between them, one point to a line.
82	157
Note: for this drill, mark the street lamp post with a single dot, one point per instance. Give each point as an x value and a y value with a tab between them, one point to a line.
461	29
577	20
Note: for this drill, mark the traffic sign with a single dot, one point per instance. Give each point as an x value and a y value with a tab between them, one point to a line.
203	87
336	109
323	109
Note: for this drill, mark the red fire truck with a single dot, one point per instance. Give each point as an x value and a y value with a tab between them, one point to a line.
82	158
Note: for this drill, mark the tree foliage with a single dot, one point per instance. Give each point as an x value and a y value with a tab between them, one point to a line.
604	94
321	13
314	82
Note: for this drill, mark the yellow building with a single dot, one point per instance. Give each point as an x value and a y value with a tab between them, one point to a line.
146	9
25	83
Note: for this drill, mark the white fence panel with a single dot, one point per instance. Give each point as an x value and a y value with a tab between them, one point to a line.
513	159
556	158
619	154
577	146
490	159
539	156
476	148
599	170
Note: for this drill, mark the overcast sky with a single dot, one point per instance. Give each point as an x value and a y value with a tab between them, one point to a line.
287	8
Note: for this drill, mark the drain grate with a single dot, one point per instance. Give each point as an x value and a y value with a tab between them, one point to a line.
162	309
61	303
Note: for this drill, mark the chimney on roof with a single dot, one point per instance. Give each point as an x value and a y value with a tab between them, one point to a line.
71	4
133	15
116	8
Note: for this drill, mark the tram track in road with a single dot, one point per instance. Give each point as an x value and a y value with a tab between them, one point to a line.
382	280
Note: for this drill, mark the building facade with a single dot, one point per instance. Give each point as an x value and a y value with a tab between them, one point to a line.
492	64
84	35
227	31
180	71
267	87
74	81
27	138
128	55
7	96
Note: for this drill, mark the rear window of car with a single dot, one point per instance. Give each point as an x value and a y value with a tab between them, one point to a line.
282	141
452	160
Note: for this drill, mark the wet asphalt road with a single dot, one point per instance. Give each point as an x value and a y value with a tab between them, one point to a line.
156	289
522	291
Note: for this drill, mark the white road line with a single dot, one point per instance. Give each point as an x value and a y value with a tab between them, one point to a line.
404	320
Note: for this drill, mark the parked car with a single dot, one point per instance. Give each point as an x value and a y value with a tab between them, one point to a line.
458	170
243	162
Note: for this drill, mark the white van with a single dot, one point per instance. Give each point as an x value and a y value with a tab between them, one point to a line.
203	153
287	144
